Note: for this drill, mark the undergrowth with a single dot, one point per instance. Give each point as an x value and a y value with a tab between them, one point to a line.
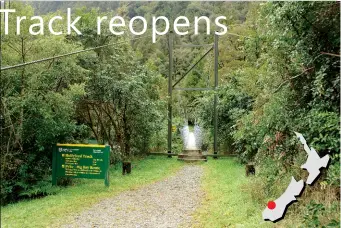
54	210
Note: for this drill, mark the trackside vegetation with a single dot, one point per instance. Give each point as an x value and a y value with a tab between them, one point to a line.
54	210
279	72
234	200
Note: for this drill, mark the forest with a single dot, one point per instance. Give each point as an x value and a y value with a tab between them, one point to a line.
279	73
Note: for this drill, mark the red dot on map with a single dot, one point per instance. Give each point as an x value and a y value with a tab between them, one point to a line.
271	205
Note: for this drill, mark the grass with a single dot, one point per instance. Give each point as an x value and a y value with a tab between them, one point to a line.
234	200
231	199
56	209
227	202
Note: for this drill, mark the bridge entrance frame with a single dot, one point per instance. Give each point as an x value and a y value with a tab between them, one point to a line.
171	87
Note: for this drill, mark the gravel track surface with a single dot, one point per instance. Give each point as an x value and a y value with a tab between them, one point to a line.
167	203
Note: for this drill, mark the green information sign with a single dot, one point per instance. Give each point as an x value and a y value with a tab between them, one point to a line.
81	161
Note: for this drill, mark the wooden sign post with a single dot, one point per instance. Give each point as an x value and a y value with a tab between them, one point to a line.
81	161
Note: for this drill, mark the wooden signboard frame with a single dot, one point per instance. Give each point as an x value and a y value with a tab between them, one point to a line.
89	161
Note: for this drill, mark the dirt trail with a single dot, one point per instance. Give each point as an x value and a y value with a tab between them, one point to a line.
167	203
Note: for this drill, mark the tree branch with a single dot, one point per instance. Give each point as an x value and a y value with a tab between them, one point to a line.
331	54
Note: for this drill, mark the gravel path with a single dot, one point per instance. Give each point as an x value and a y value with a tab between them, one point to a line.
167	203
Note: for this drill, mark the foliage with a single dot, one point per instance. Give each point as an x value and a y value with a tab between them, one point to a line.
278	73
282	64
37	111
85	193
227	199
313	213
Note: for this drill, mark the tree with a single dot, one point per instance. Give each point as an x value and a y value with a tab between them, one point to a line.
37	109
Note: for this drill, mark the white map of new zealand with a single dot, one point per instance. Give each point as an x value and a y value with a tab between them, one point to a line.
276	209
314	162
294	189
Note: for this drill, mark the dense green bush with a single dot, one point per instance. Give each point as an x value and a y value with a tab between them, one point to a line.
287	82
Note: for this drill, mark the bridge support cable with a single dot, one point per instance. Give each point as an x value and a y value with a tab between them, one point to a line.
68	54
191	68
172	87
